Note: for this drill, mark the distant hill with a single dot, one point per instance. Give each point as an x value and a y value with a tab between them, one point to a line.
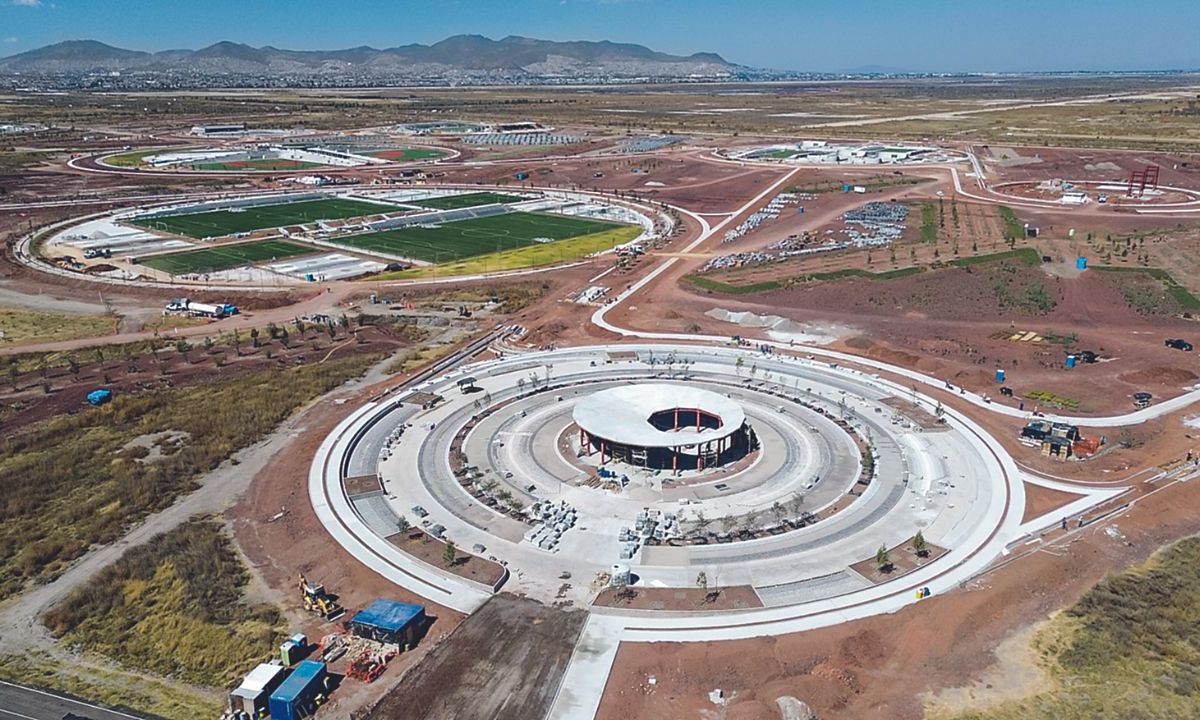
462	54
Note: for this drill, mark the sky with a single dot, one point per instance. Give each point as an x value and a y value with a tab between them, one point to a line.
801	35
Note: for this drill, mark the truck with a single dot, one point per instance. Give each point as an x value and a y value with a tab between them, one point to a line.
218	311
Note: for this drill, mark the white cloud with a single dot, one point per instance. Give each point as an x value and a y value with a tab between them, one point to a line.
26	3
11	40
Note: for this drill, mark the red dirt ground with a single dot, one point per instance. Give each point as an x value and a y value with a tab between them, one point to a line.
878	668
297	543
728	598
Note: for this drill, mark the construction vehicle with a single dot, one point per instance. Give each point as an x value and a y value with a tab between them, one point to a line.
319	602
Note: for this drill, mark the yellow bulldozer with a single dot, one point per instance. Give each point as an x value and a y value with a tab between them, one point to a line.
319	602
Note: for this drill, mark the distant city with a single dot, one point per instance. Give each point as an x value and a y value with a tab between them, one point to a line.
465	60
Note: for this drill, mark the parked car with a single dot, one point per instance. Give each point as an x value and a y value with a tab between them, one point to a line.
1179	344
419	511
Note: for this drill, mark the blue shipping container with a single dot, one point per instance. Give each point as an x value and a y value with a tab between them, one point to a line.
296	697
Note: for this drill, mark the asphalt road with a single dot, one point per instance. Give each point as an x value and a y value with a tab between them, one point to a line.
22	703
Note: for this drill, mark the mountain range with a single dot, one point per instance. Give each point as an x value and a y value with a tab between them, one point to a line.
468	55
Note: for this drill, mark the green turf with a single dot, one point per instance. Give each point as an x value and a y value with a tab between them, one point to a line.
454	202
226	222
263	164
406	154
137	158
478	236
224	257
781	154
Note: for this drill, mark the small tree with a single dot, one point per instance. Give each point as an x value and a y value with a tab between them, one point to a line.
450	553
402	524
919	545
702	581
883	559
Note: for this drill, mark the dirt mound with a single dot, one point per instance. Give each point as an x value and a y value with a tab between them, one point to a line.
1172	376
859	342
522	647
895	357
997	290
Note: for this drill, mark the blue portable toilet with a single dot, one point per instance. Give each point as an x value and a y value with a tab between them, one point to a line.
800	209
99	397
296	698
1071	360
845	187
1081	263
999	375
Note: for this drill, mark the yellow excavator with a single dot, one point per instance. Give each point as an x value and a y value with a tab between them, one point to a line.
319	602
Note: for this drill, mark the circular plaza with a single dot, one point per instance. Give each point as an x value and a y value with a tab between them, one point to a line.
839	463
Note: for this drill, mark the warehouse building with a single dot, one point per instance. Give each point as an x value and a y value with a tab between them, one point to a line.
390	621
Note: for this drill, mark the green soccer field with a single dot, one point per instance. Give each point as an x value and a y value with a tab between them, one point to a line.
225	222
264	164
454	202
224	257
478	236
406	154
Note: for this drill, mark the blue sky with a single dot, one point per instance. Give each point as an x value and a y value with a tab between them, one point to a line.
920	35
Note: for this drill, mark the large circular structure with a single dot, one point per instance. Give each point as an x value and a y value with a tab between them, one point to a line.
662	426
848	462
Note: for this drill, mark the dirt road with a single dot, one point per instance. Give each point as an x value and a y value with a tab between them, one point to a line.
503	663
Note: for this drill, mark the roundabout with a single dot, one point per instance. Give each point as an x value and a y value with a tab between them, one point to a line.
495	457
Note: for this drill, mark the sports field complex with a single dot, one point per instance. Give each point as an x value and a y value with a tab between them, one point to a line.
224	257
248	219
455	232
453	202
477	236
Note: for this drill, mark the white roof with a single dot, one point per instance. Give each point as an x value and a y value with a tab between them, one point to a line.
622	414
258	679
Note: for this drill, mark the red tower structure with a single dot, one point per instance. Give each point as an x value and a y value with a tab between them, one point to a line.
1147	177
